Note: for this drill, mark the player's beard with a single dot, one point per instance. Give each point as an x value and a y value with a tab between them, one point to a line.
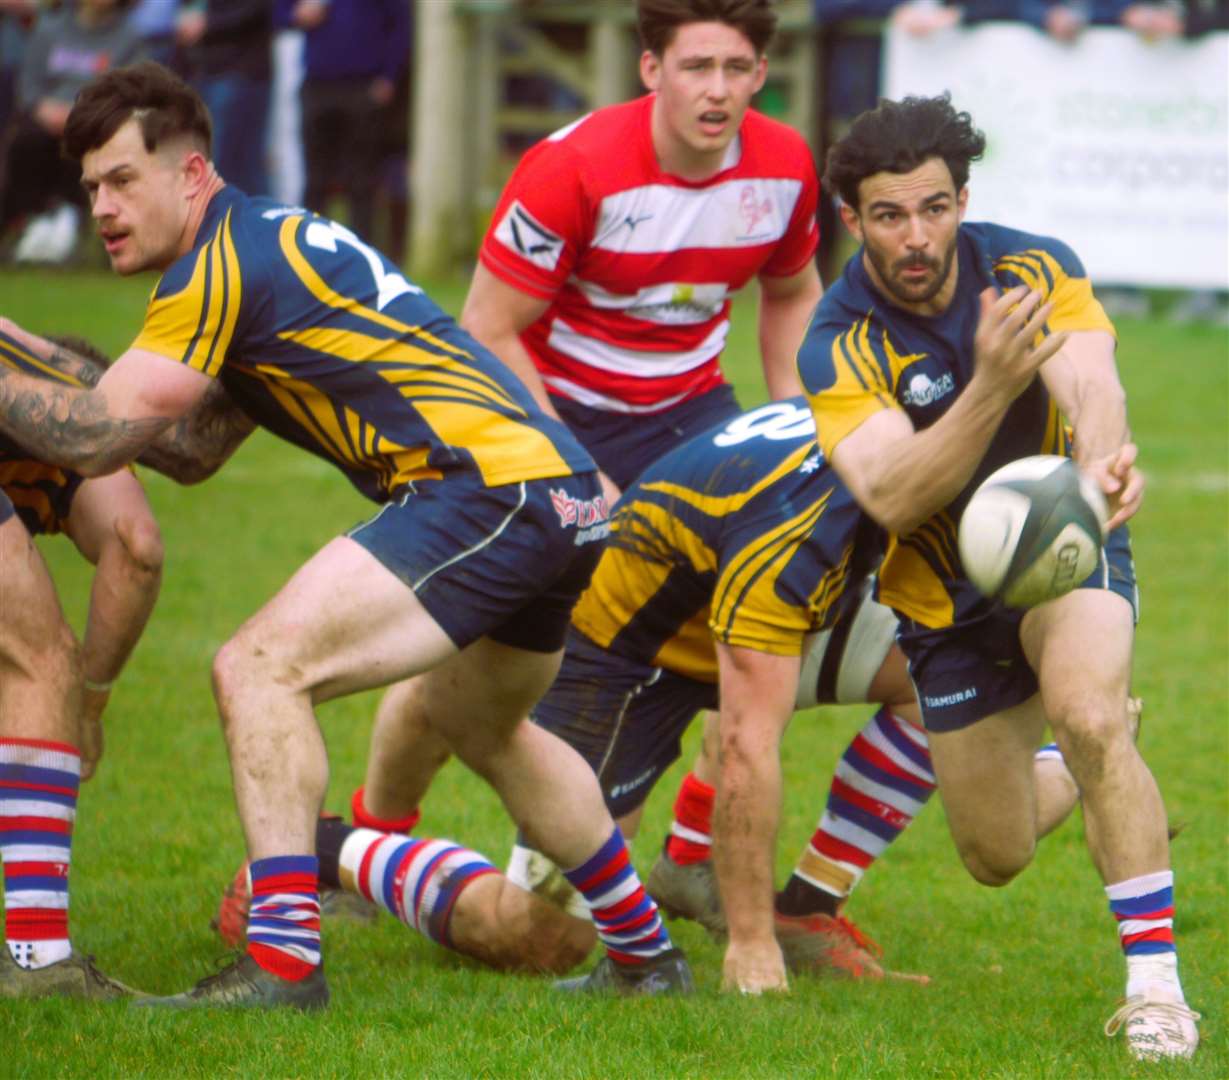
913	294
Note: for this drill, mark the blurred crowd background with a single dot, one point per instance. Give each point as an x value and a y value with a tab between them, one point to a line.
311	99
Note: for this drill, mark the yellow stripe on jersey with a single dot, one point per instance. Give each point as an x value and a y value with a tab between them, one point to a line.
500	448
348	438
631	571
908	583
1075	307
690	652
363	348
830	588
323	292
718	506
195	326
746	590
858	392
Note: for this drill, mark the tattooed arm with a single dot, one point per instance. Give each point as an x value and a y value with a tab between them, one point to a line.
194	447
96	430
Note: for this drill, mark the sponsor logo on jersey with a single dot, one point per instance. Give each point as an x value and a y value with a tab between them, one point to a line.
753	209
591	517
530	239
923	390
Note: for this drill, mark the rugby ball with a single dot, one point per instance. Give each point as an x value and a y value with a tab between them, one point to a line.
1032	531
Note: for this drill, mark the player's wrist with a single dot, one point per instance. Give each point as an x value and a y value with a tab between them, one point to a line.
93	686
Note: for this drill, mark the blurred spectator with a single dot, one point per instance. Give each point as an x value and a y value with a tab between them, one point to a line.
16	19
286	171
356	50
65	50
154	22
227	51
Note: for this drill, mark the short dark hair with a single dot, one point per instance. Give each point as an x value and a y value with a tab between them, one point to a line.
659	20
164	105
898	136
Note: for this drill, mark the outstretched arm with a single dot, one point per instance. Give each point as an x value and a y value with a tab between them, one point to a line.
1083	380
757	701
194	447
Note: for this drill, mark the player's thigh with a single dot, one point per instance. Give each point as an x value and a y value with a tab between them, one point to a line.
342	623
1080	647
33	631
985	778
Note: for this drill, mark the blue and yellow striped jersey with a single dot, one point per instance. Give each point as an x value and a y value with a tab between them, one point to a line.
862	354
321	340
41	493
743	535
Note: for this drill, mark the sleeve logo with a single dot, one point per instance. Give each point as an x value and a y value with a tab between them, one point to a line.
530	239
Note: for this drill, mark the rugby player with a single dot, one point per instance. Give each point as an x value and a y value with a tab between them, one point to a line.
108	519
468	570
605	278
50	723
732	580
946	350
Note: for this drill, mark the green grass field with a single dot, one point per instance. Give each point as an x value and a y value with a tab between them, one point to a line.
1024	977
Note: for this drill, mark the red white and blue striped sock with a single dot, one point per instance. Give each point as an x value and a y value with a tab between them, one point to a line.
417	880
691	831
38	804
1144	908
882	781
284	918
626	918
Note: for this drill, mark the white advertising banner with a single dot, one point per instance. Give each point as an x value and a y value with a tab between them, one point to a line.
1117	146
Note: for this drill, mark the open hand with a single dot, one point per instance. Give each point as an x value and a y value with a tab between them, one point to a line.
1121	481
1005	346
754	968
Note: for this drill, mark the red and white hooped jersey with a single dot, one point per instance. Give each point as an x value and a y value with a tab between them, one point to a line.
640	265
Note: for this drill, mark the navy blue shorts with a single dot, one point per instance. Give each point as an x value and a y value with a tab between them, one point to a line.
967	672
6	508
504	562
625	444
626	719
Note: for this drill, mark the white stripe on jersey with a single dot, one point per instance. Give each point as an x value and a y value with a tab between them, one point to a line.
639	364
591	399
567	129
664	218
669	304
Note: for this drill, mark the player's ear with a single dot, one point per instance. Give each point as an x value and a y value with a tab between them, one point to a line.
851	220
962	202
195	169
761	72
650	69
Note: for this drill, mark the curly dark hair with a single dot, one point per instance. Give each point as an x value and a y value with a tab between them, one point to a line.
898	136
165	106
659	20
